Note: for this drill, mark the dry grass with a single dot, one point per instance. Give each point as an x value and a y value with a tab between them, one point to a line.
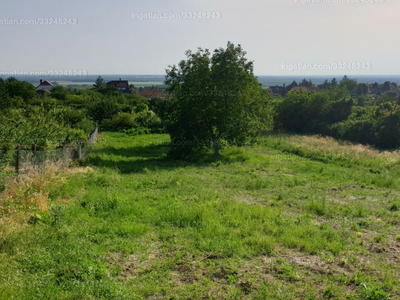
27	193
329	144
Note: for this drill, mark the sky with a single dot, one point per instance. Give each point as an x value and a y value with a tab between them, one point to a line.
282	37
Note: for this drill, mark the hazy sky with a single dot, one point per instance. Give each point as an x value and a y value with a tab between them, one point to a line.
277	35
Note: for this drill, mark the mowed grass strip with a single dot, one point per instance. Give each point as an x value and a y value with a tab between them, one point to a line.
262	222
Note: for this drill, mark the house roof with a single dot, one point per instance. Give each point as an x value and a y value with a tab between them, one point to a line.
304	88
395	91
276	89
152	93
42	83
118	83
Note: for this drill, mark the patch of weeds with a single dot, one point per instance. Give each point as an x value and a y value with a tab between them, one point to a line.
287	272
378	238
330	292
372	292
35	219
362	224
57	212
246	287
394	207
318	208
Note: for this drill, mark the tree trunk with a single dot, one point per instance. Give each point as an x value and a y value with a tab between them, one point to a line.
215	146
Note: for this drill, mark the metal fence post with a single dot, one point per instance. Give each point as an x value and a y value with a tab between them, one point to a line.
33	154
80	151
17	160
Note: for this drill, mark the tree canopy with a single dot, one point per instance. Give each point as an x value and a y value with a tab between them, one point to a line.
215	99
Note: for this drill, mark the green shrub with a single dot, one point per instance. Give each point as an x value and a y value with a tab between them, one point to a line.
119	122
147	118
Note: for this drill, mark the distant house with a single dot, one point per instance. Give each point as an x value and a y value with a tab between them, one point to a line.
304	88
152	93
44	87
121	85
276	91
373	89
394	91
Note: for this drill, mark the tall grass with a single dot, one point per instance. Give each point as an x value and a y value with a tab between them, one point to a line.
328	149
251	224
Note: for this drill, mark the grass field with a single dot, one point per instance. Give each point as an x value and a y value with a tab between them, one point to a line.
292	217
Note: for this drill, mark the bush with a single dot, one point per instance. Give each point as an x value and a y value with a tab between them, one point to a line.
147	118
360	131
311	112
387	128
119	122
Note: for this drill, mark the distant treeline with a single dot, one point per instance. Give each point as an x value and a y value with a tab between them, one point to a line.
357	112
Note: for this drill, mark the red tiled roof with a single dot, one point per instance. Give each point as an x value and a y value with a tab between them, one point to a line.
152	93
395	91
46	83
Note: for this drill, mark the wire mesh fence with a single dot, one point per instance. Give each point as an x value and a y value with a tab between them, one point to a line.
28	157
88	145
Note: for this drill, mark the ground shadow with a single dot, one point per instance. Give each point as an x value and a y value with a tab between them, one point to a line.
138	159
137	151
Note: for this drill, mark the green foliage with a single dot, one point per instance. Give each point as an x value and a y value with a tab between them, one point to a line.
362	89
119	122
216	97
137	131
379	127
350	84
33	127
147	118
141	107
21	89
102	109
5	101
312	112
360	131
59	92
374	292
361	118
99	84
76	119
387	127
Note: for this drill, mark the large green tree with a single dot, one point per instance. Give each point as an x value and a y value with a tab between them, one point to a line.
215	98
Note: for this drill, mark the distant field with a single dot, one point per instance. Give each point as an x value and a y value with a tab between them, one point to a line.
148	80
84	84
292	217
